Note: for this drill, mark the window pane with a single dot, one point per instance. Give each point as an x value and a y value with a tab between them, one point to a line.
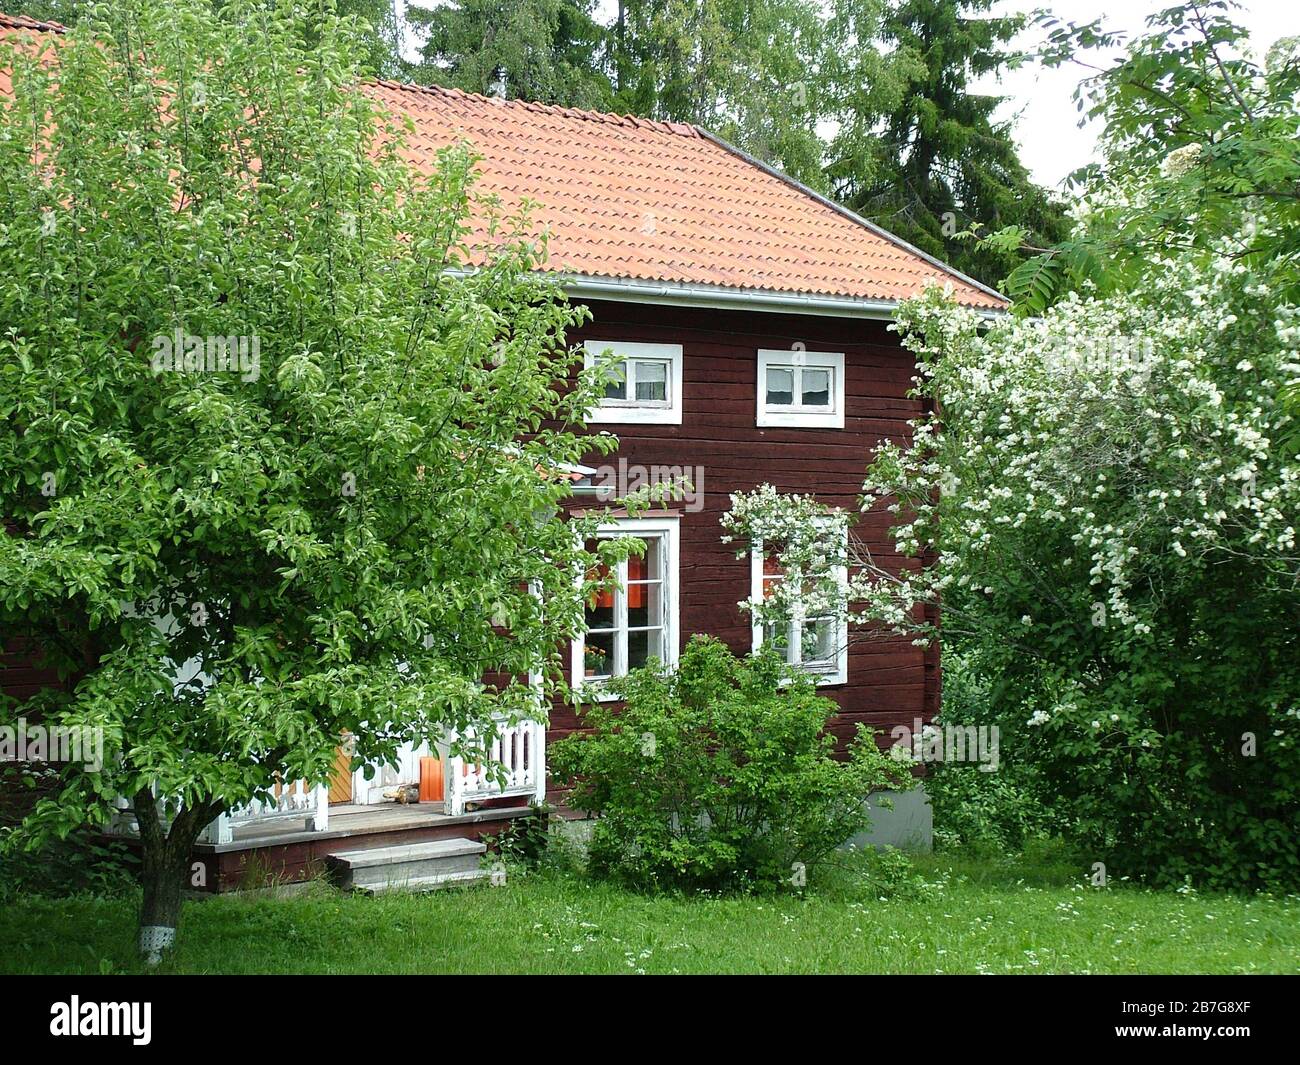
643	646
816	388
776	634
819	640
652	381
598	654
780	386
617	389
645	604
644	599
648	566
771	574
600	611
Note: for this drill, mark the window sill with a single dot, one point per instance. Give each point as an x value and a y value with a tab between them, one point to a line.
802	420
634	416
822	680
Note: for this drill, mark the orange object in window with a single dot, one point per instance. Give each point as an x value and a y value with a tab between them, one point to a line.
431	780
772	572
601	600
637	570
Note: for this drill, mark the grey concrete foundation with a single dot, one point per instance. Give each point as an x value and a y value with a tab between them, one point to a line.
909	826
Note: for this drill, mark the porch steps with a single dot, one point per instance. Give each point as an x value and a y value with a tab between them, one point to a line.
412	866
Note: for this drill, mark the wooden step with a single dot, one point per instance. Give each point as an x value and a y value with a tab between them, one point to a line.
429	864
432	883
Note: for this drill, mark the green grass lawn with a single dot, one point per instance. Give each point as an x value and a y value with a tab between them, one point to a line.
952	915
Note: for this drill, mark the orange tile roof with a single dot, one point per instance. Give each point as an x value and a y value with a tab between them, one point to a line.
22	22
627	198
19	30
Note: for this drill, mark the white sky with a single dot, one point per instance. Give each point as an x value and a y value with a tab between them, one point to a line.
1052	144
1041	100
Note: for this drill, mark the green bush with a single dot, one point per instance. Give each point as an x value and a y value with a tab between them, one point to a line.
1000	811
718	776
81	863
525	841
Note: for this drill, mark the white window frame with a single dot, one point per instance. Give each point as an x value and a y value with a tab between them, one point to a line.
795	414
632	411
837	670
668	530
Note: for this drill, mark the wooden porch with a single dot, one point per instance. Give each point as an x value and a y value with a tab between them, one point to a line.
279	852
287	835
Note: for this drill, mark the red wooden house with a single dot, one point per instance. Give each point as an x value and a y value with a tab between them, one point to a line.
751	315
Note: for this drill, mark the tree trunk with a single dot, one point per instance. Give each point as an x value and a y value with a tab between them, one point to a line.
620	48
165	851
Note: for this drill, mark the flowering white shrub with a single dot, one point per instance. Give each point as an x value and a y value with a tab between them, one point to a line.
1112	528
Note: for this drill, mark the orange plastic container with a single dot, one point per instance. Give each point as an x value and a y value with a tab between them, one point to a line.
431	782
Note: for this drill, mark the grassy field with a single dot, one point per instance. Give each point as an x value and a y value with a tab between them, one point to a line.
950	915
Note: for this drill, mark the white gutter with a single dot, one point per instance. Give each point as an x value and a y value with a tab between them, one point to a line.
582	286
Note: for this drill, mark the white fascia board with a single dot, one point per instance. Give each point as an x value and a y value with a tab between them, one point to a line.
721	297
717	297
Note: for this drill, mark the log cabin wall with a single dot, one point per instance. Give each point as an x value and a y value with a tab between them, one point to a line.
23	672
890	682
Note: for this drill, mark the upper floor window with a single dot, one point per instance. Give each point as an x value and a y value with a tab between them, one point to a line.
648	388
802	389
636	621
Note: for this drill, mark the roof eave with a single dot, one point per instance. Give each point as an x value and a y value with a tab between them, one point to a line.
718	297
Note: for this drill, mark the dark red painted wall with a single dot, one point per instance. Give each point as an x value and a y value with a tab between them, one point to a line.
22	674
890	682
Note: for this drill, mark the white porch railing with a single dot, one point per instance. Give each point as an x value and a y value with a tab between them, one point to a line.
516	767
519	752
296	800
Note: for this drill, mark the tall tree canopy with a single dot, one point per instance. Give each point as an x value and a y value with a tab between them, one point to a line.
375	31
750	72
937	162
272	463
545	50
1202	128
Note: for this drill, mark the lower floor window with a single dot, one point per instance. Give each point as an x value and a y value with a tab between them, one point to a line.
817	645
635	621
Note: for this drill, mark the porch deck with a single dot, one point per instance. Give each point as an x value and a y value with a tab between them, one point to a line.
352	819
285	834
286	851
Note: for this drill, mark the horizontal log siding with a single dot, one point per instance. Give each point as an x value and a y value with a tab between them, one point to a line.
890	682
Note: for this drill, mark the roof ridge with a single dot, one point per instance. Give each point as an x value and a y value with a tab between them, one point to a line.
22	22
680	129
